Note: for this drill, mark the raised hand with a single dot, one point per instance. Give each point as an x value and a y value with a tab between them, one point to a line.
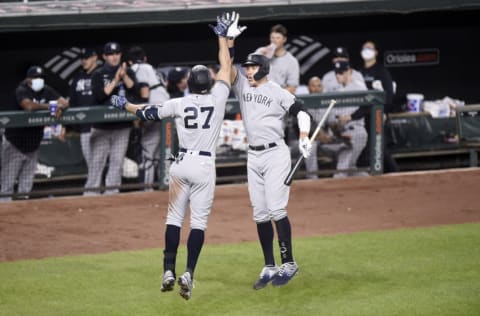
234	30
118	101
221	28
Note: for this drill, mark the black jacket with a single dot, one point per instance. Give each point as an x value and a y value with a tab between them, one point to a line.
103	76
81	94
27	139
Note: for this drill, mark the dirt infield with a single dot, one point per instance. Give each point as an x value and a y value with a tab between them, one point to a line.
80	225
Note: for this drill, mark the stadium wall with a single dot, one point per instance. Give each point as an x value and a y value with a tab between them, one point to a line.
445	37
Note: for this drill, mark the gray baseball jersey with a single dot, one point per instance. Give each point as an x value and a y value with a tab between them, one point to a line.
151	131
330	83
349	152
263	111
198	121
145	73
285	70
355	85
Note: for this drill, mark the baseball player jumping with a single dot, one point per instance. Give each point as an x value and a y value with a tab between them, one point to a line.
264	105
198	118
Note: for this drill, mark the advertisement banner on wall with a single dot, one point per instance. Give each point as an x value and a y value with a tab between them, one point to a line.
412	57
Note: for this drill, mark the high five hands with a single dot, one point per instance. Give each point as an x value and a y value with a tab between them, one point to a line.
227	25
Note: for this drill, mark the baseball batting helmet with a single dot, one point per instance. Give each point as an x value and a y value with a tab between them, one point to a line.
258	60
200	80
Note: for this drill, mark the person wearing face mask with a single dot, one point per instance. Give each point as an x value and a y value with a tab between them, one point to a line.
329	79
347	138
20	144
375	72
372	71
109	140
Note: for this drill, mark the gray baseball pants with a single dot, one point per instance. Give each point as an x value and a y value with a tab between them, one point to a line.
111	144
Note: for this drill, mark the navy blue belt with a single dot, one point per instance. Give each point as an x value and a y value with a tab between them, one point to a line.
200	152
262	147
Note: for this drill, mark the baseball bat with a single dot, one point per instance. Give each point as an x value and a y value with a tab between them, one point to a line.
289	178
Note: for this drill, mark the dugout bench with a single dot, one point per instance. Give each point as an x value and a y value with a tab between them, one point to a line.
422	139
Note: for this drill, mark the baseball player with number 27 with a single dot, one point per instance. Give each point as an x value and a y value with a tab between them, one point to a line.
198	117
264	105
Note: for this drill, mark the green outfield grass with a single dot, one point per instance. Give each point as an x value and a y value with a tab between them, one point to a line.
427	271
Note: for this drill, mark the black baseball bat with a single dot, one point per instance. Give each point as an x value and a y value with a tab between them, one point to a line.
289	178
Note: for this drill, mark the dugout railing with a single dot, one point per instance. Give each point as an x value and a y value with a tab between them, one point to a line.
70	174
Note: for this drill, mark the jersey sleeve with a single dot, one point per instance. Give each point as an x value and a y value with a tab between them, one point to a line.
98	86
220	91
51	94
239	83
20	94
286	99
72	93
169	108
356	85
132	76
152	78
329	81
357	75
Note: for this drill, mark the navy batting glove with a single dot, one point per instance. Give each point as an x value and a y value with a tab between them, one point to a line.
220	29
118	101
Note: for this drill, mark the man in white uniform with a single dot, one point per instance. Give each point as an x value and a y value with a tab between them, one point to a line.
264	105
198	118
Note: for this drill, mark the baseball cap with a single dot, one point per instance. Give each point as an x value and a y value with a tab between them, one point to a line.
111	48
177	74
340	52
87	53
34	72
341	66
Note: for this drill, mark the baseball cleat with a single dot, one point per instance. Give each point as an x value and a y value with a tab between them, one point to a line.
168	281
267	274
185	282
286	272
